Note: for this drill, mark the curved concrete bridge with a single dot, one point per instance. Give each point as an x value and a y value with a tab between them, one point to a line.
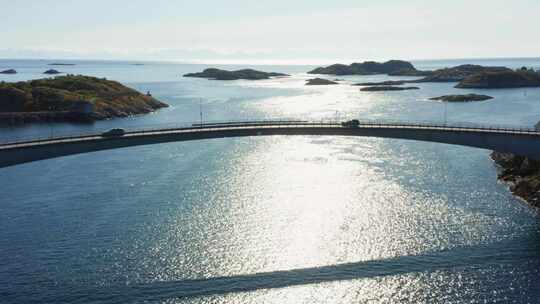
525	142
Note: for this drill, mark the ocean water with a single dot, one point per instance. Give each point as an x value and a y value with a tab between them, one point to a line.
284	219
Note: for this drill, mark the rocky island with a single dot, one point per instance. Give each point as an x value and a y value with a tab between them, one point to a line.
387	88
71	98
62	64
8	72
319	81
382	83
52	72
462	98
392	67
458	73
247	74
501	79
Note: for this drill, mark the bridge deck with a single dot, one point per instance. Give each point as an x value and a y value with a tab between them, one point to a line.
524	142
270	125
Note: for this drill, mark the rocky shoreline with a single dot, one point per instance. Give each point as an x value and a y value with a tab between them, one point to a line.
521	174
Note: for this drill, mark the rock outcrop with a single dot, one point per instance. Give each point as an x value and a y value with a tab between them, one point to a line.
319	81
247	74
10	71
387	88
501	80
71	98
462	98
394	67
52	72
521	174
458	73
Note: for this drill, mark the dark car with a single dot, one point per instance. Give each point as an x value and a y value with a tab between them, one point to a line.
351	123
114	133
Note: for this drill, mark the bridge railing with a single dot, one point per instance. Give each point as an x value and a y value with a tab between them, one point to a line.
276	123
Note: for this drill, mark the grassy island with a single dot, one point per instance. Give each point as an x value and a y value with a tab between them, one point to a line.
71	98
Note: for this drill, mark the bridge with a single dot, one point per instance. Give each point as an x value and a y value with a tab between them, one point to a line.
524	142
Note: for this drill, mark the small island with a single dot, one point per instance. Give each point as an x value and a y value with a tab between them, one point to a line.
247	74
8	72
62	64
382	83
71	99
52	72
458	73
501	80
462	98
387	88
392	67
319	81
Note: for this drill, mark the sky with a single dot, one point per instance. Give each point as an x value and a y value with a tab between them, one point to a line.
277	31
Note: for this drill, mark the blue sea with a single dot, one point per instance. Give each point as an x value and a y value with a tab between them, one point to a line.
282	219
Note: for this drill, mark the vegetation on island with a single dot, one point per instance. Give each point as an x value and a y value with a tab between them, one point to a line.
247	74
71	98
462	98
392	67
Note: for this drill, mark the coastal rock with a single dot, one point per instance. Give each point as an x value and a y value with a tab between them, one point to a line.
382	83
462	98
247	74
458	73
320	81
71	98
368	68
501	80
51	72
387	88
521	174
10	71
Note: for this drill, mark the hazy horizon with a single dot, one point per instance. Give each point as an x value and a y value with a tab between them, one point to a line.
239	31
272	62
